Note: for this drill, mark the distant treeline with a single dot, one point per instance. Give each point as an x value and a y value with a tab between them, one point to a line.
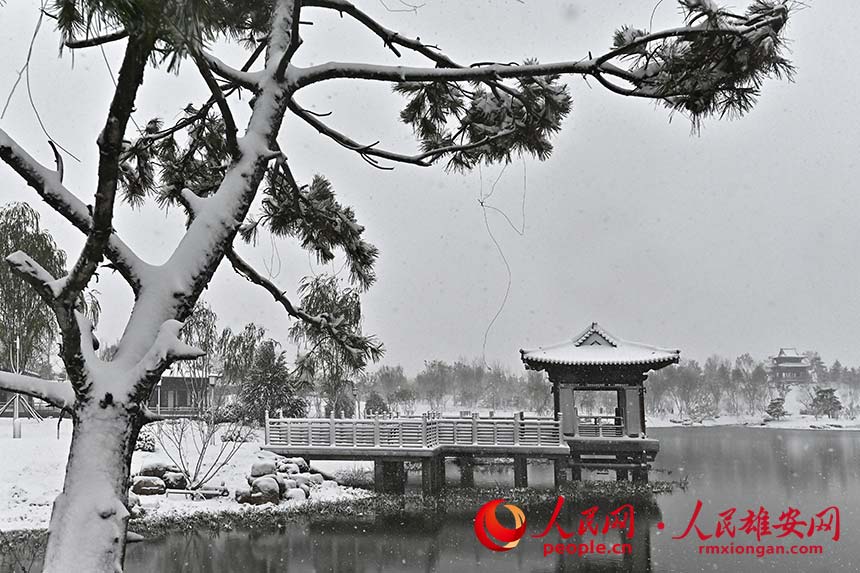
468	385
743	386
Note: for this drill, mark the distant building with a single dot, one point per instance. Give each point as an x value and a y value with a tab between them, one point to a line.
178	395
789	367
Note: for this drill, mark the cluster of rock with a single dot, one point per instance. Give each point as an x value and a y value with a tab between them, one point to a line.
287	478
155	478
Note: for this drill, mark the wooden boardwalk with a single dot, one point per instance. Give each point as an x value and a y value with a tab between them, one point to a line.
430	439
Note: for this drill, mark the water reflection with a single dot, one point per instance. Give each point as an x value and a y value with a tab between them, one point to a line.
408	542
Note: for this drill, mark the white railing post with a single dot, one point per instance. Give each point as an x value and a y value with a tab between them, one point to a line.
474	428
560	432
376	430
575	422
331	428
266	427
424	430
289	427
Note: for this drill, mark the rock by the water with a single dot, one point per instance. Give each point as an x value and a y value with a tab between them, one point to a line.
289	468
148	485
297	494
317	479
175	480
243	495
157	469
329	484
282	484
263	468
133	500
302	478
290	483
303	465
304	487
265	490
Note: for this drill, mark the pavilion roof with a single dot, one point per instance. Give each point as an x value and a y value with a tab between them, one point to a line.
595	346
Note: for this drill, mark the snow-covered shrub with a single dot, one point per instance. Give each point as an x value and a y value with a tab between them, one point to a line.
145	440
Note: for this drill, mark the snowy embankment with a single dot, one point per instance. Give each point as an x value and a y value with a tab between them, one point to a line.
33	468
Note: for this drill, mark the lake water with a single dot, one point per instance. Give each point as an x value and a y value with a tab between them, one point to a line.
726	468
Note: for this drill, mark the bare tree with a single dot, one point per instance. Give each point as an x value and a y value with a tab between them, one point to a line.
713	64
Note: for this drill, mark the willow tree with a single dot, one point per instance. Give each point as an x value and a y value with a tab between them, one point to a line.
713	64
27	326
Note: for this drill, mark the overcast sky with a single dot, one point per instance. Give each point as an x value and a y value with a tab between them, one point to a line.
742	239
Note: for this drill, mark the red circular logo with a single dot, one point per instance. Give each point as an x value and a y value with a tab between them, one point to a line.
492	534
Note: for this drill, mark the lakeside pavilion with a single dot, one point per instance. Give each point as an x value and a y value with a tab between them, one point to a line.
596	361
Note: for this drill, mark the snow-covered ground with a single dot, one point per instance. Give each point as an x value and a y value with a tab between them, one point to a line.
33	468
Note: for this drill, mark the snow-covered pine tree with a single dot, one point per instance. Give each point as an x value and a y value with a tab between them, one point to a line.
713	64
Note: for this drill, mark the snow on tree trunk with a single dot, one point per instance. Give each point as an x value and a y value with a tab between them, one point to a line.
88	524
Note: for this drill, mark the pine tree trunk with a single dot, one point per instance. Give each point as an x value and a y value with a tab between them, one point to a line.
89	519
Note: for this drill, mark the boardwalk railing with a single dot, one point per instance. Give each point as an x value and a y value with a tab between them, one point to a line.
414	432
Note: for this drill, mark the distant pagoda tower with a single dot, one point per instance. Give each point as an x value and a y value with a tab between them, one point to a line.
789	367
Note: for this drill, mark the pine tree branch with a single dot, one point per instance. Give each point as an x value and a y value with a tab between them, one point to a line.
230	129
97	40
447	70
34	274
47	184
110	144
243	78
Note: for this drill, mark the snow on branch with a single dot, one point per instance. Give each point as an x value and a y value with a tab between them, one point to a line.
46	183
244	78
36	276
167	348
58	393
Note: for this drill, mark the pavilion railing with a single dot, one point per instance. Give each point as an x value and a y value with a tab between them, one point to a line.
591	426
426	431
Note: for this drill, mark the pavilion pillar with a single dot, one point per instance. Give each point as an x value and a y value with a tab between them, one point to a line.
642	409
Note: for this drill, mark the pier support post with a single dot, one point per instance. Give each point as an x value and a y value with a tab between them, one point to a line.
575	470
389	477
467	471
440	472
521	474
559	471
432	477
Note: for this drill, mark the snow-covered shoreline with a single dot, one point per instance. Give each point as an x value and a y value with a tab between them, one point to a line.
795	422
33	468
